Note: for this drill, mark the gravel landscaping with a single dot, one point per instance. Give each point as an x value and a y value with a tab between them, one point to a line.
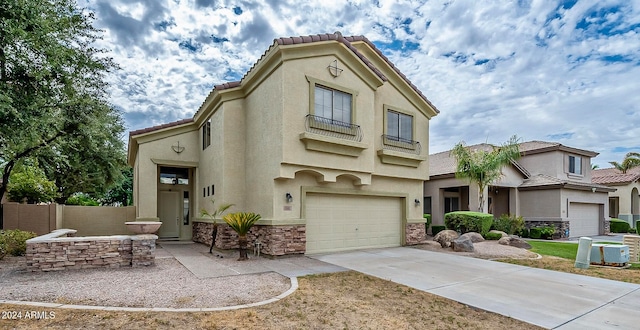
166	285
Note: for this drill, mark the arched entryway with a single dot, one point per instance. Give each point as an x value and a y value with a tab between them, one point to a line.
635	204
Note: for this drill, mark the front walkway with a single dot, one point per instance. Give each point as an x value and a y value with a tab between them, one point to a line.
196	258
545	298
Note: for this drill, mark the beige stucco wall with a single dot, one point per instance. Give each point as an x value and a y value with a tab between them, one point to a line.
625	194
98	220
555	164
541	204
581	196
153	151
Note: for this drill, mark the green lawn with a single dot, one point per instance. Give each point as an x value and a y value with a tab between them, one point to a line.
562	250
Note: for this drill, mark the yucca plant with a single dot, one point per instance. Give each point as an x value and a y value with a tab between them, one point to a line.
241	222
213	216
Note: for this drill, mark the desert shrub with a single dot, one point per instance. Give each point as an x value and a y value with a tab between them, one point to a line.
14	242
428	223
436	229
509	224
467	221
619	226
492	236
535	233
524	233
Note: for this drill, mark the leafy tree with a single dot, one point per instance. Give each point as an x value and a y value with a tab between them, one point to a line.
52	86
484	167
30	183
631	160
121	192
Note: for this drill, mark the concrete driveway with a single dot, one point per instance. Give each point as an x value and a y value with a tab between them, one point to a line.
549	299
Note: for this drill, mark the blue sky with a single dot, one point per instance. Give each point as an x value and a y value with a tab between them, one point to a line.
561	71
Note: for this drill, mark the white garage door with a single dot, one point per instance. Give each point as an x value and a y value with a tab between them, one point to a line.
347	222
583	219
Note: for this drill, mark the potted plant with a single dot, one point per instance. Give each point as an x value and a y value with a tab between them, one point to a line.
213	216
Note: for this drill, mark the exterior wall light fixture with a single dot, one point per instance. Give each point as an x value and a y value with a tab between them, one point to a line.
288	197
417	201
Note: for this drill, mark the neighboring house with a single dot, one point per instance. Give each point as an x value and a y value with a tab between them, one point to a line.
624	203
549	185
323	137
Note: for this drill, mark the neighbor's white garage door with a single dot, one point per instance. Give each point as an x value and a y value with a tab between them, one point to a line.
584	219
347	222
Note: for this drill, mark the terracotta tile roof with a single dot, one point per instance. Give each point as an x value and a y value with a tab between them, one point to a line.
337	36
159	127
612	176
542	181
532	147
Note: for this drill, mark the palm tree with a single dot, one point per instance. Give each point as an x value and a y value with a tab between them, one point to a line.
241	222
631	160
484	167
213	217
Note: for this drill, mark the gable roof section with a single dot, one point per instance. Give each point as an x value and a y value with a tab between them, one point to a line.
337	36
444	164
613	177
536	147
160	127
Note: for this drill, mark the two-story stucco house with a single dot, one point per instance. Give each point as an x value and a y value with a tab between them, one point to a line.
624	203
323	137
549	185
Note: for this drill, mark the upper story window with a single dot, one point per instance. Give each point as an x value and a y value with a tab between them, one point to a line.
399	126
206	134
575	165
332	104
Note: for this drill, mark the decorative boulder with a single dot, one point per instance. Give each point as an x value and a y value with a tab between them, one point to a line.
514	241
474	237
462	244
445	238
499	232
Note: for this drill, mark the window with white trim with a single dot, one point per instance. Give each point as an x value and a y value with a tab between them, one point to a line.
332	104
575	165
399	126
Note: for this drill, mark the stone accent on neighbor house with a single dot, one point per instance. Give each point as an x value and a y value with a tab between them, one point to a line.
51	252
416	233
562	227
274	240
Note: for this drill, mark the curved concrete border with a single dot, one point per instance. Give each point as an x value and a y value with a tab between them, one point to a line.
292	289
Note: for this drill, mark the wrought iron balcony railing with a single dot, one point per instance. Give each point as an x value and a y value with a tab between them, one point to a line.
399	144
333	128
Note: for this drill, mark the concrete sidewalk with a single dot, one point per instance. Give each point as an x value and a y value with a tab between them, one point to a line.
549	299
197	259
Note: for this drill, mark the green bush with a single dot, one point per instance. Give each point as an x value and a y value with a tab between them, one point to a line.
436	229
14	242
30	183
428	223
524	233
535	233
509	224
619	226
547	232
467	221
82	200
492	236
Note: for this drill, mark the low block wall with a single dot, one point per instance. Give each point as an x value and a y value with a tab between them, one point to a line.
52	252
416	233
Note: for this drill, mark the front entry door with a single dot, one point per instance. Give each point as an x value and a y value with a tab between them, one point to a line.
169	213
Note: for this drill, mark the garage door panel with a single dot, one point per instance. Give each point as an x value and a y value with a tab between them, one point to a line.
584	219
344	222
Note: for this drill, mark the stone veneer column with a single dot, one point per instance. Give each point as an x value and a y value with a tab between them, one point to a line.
416	233
143	250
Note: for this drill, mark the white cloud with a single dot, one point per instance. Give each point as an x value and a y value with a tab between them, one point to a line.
494	69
